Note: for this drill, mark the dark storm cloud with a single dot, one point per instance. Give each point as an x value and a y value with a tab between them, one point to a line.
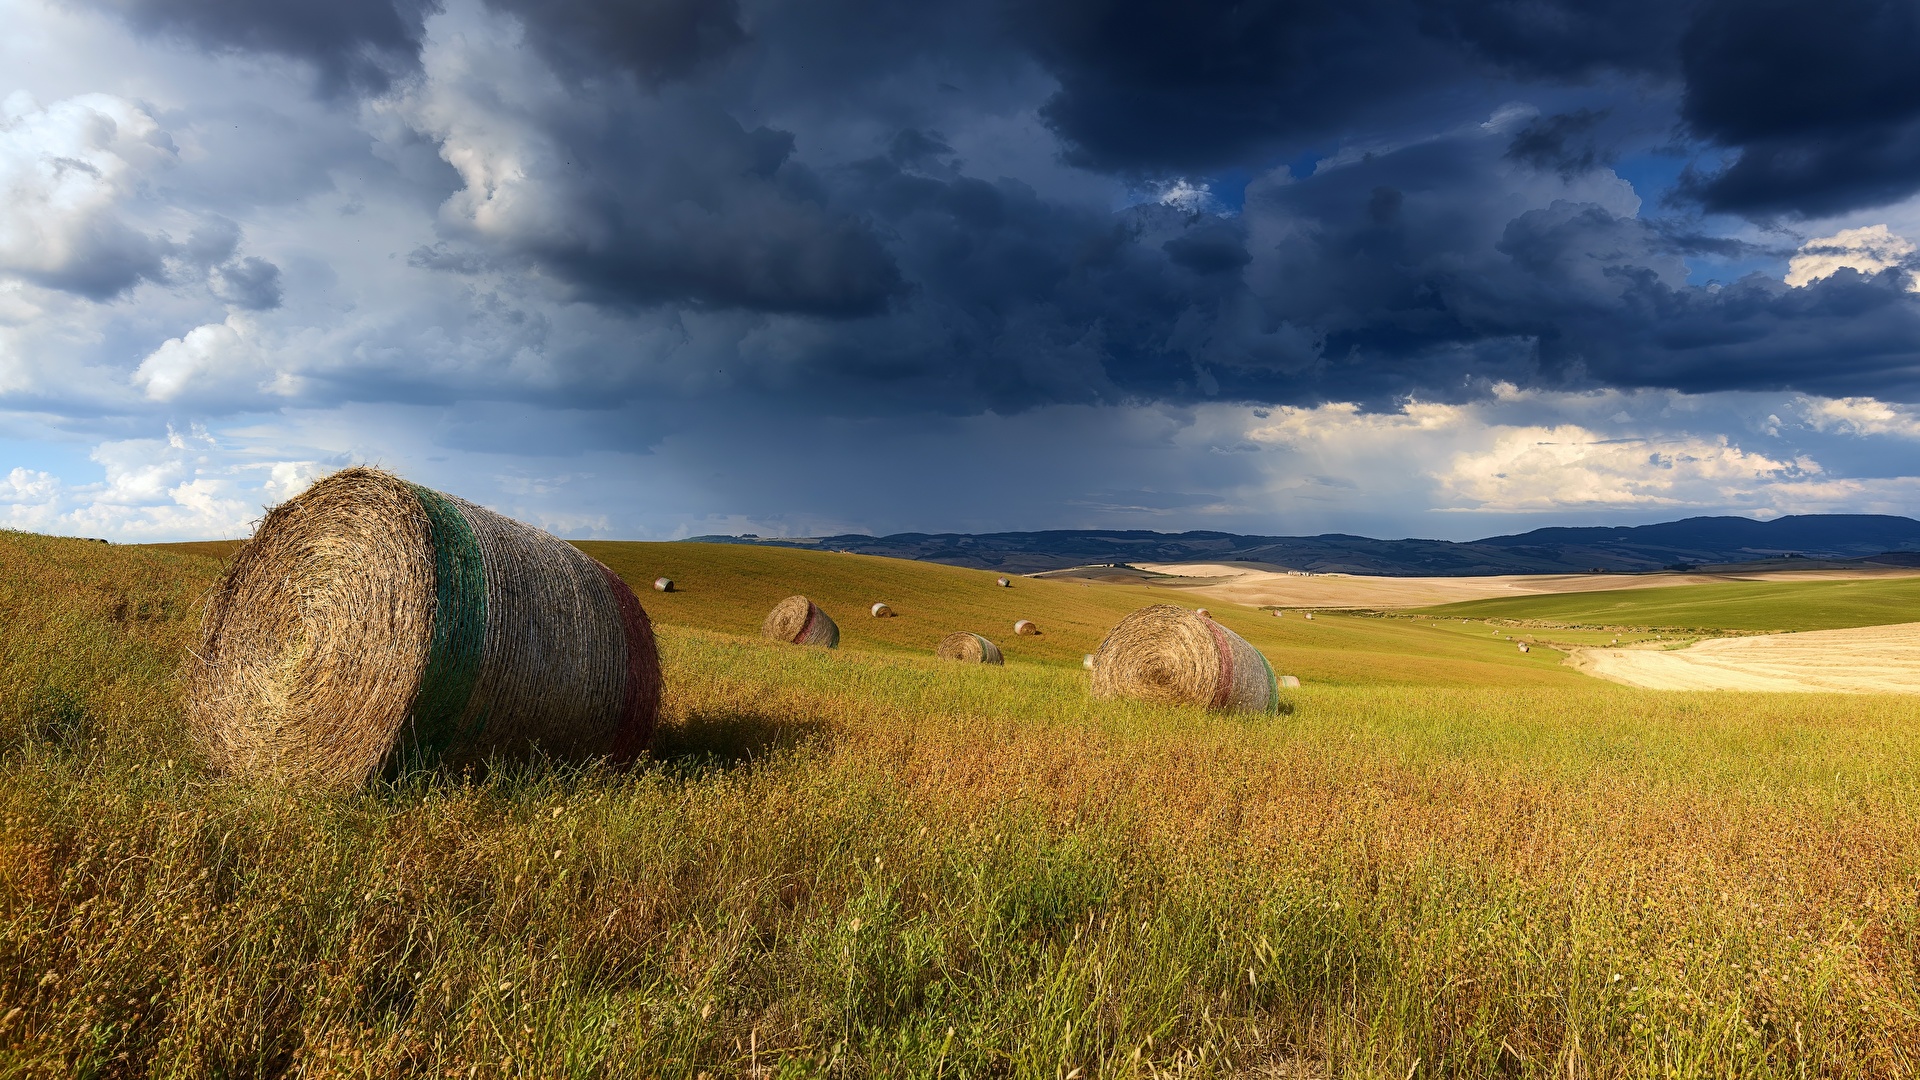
678	167
252	283
1560	143
1413	268
1821	99
1155	85
654	40
352	44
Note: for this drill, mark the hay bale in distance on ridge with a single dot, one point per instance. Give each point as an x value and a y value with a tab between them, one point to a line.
1025	627
881	611
1169	654
371	624
663	584
968	648
1003	583
799	621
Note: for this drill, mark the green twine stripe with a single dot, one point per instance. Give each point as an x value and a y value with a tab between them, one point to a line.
1273	682
459	626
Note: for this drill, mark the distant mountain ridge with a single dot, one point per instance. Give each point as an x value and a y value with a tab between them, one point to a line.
1555	550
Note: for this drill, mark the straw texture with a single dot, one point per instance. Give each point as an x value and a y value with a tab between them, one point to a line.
1025	627
969	648
799	621
372	624
1168	654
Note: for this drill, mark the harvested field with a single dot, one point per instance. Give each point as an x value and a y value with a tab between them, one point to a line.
1865	660
1267	588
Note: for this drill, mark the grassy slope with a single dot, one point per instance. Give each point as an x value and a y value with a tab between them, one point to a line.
871	863
1749	606
730	587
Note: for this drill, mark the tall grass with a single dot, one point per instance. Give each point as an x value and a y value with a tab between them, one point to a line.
869	864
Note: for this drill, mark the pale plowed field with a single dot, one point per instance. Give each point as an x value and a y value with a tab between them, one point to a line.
1865	660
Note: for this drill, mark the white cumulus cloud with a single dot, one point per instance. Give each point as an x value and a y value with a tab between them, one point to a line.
1869	249
66	171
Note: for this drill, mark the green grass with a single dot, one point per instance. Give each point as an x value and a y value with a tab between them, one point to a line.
871	863
1757	606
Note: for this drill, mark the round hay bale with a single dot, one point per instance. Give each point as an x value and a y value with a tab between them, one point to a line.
1086	661
799	621
663	584
968	648
1309	615
1279	614
1289	682
881	611
1168	654
1003	583
1025	628
371	624
1523	647
1203	613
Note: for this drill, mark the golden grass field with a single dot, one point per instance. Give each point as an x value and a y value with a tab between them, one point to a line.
1445	859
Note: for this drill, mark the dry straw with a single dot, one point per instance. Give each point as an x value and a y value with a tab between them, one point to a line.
1168	654
1025	627
799	621
968	648
881	611
372	624
663	584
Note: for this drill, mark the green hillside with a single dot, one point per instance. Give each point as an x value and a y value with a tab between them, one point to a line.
1757	606
729	588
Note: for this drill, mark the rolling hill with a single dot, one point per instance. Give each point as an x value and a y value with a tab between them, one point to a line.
1691	542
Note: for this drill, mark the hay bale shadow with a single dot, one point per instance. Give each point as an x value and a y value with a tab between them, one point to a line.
733	738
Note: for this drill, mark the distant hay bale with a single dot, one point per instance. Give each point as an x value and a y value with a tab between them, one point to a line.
1289	682
1203	613
1086	661
1025	628
372	624
799	621
1167	654
1003	583
1523	647
881	611
968	648
1309	614
1279	614
662	584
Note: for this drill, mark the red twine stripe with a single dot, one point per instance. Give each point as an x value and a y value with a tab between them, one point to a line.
640	703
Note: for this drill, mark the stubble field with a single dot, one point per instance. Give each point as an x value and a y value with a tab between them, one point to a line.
1447	858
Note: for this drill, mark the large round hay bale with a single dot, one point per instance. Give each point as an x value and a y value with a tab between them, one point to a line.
372	624
799	621
663	584
1168	654
969	648
1025	627
881	611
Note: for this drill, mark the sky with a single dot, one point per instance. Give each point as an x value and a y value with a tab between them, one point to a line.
650	269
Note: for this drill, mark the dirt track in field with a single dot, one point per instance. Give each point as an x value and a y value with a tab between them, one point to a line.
1864	660
1241	585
